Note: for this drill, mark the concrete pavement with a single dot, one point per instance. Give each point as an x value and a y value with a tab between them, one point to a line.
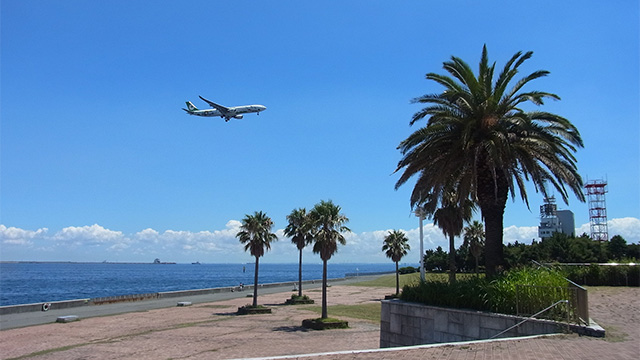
211	330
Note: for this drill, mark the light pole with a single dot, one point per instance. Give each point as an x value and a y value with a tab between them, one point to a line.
420	213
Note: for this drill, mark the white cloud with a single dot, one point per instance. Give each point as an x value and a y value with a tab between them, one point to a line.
90	234
147	235
19	237
18	242
522	234
223	246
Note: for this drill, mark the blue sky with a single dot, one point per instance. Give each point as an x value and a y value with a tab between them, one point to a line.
98	161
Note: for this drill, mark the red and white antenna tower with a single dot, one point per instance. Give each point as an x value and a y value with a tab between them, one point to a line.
597	209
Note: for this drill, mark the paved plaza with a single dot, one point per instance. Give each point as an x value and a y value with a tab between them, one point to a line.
211	330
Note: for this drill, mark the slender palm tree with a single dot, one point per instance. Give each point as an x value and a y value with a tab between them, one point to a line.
450	218
328	226
474	239
257	236
479	139
299	229
396	245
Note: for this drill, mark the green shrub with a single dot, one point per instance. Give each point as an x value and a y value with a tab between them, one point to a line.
520	291
468	293
603	275
408	270
296	297
525	291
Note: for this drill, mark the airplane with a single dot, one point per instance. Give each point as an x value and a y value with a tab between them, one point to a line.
227	113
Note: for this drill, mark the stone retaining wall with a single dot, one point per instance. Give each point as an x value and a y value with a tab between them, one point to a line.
405	324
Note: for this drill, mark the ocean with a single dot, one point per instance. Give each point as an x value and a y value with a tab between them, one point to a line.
35	282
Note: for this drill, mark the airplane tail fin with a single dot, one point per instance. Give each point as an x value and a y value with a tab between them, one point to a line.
191	107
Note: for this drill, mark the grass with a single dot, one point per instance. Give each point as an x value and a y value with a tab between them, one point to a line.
390	281
522	291
613	334
368	311
409	279
215	306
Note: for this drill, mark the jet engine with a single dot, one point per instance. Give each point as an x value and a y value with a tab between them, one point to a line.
238	117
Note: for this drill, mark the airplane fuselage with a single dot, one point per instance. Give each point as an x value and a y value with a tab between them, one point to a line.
227	113
243	110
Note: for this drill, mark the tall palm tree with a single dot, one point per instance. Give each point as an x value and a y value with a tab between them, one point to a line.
328	226
450	218
257	236
474	239
299	229
396	245
479	139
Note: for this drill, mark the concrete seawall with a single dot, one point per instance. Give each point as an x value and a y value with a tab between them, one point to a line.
407	324
67	304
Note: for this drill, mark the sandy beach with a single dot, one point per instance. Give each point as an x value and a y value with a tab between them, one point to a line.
213	331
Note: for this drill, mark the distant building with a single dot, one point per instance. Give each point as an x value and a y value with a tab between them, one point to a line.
553	220
567	222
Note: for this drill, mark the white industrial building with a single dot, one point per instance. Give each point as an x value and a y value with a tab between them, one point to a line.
553	220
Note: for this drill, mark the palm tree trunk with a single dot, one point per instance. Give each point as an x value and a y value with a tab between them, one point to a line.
300	275
452	260
324	289
397	280
492	200
477	273
493	219
255	285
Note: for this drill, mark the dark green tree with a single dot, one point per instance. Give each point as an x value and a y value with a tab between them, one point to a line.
328	224
581	250
633	251
299	229
396	245
435	260
474	239
450	218
479	140
617	247
256	235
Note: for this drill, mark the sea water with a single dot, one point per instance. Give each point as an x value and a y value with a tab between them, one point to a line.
34	282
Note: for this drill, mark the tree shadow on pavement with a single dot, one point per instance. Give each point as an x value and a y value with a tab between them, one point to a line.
290	329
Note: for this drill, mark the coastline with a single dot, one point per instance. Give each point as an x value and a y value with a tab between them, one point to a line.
28	282
17	316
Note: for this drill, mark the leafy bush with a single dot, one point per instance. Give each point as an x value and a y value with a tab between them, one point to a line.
525	291
408	270
296	297
467	294
598	275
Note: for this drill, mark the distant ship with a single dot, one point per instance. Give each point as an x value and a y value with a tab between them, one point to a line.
195	263
157	261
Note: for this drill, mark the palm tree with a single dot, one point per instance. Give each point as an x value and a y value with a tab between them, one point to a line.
299	229
396	245
257	236
450	218
328	225
481	141
474	239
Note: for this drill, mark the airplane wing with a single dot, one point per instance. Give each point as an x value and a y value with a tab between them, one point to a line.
222	109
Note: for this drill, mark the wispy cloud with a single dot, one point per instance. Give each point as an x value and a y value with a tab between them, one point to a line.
94	243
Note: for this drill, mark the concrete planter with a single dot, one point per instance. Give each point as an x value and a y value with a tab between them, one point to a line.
297	300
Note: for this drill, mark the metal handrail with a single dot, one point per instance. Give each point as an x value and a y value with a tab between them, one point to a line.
582	297
530	318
